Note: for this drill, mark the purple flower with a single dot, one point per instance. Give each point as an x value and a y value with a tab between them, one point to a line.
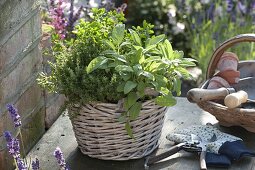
14	150
60	158
58	18
35	164
21	164
241	7
122	8
14	147
14	114
8	136
230	5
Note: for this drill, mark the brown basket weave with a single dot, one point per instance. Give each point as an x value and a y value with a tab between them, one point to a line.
100	135
225	116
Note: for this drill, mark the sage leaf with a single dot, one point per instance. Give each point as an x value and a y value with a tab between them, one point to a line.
129	86
131	99
109	44
135	37
118	33
155	40
123	68
135	110
96	63
167	100
177	86
129	130
168	49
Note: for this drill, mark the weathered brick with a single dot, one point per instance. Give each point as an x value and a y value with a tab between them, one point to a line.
20	42
33	129
30	99
53	104
13	12
24	71
20	62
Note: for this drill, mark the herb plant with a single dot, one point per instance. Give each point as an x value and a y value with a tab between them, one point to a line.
142	61
108	63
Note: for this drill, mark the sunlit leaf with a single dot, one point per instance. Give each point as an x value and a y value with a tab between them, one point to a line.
96	63
155	40
135	37
123	68
167	100
118	33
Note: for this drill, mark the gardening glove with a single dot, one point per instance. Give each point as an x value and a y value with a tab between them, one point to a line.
217	160
235	150
222	151
205	132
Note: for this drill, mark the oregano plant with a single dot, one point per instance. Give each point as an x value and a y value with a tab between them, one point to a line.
143	62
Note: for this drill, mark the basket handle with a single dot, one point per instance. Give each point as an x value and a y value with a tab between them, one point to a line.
223	47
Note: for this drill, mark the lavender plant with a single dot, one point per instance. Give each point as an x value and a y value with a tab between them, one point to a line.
13	146
60	159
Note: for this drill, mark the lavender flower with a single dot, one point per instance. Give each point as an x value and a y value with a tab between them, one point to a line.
35	164
14	150
241	7
21	164
12	145
8	136
122	8
14	114
230	5
60	158
73	18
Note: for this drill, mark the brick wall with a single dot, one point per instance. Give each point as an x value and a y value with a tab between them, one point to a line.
20	62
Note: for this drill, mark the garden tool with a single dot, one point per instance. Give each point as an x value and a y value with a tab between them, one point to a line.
202	144
246	85
222	151
191	146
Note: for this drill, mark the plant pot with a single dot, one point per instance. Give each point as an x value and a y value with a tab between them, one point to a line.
228	61
100	135
217	82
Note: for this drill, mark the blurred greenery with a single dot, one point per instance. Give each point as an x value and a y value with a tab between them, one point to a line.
198	27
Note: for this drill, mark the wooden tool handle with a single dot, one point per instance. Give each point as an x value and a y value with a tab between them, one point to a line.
202	160
233	100
198	95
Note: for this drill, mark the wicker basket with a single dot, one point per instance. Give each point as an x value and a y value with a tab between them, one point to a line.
225	116
100	135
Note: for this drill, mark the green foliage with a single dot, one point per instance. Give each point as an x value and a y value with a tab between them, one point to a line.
68	75
107	62
142	62
210	35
